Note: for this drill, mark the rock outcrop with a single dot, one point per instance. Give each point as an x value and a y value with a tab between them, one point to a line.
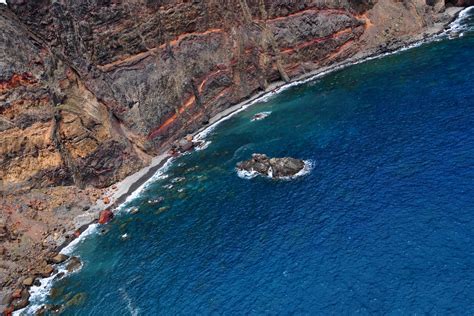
276	168
105	216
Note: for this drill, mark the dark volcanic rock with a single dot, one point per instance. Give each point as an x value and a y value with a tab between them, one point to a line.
272	167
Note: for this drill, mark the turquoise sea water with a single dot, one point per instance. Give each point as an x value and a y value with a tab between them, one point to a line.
383	224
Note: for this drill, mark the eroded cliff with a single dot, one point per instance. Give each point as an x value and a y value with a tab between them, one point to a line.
91	89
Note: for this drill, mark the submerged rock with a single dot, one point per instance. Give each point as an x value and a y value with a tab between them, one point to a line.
77	299
73	264
272	167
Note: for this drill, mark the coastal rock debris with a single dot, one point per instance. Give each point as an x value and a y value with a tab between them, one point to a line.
272	167
59	258
105	216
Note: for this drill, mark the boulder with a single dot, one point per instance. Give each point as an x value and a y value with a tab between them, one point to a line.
46	271
106	200
272	167
59	258
49	309
77	300
105	216
185	145
28	281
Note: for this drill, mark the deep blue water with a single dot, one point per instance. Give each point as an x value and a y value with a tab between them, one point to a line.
384	223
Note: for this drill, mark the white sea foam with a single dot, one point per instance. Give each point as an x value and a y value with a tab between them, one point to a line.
159	175
69	249
244	174
39	293
132	309
202	145
178	179
457	27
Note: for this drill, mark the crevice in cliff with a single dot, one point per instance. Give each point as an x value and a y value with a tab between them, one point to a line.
65	156
268	36
247	14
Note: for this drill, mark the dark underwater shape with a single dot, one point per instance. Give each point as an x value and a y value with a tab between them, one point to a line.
382	225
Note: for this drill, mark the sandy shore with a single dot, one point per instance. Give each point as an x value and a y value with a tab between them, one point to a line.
119	192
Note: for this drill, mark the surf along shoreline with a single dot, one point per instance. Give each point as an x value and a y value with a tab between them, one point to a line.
132	185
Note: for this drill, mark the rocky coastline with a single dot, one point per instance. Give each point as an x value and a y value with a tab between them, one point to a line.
83	206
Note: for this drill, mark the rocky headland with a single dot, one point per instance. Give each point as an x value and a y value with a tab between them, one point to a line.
92	92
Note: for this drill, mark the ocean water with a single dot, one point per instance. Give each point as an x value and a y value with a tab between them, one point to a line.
383	223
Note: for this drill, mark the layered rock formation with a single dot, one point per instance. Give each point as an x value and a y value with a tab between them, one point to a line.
91	89
53	129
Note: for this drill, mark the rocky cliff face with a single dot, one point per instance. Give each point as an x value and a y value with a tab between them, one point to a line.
91	89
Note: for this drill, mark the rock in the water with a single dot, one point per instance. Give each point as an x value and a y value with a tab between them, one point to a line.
272	167
77	300
59	258
260	116
185	145
73	264
105	216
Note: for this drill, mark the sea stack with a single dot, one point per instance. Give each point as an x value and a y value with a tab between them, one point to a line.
272	167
